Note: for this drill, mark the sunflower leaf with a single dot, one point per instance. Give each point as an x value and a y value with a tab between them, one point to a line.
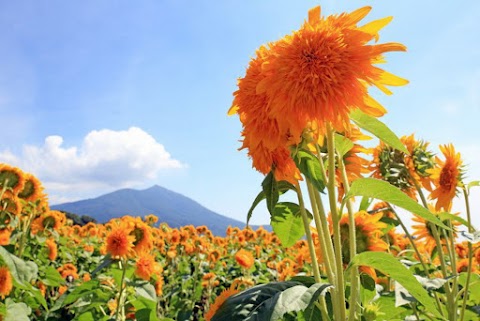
389	265
270	189
283	187
375	188
342	144
287	223
309	165
377	128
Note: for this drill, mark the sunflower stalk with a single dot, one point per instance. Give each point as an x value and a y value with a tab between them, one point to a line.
119	314
470	255
308	233
340	289
354	280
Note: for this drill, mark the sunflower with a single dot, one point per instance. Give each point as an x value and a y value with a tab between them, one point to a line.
244	258
6	282
419	160
12	177
423	231
446	177
219	301
318	74
52	249
146	266
5	234
368	233
120	242
68	270
51	220
143	236
32	189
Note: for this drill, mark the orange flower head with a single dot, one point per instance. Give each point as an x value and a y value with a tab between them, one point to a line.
120	242
244	258
6	282
5	234
446	177
67	270
219	301
146	266
32	189
52	249
12	177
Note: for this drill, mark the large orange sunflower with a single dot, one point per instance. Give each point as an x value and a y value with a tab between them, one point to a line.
318	74
446	177
6	282
120	242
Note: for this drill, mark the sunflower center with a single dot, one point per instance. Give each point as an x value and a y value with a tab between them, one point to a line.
447	178
27	190
9	179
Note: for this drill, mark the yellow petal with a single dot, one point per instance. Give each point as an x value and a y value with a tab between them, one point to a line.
390	79
375	26
359	14
374	107
314	15
233	110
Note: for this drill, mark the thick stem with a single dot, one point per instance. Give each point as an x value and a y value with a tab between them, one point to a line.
306	226
340	289
120	294
470	255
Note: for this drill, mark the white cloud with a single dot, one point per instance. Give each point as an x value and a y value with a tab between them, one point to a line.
106	159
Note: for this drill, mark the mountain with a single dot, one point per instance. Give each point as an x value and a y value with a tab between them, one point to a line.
170	207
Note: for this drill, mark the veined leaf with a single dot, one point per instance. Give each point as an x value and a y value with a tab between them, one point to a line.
377	128
389	265
342	144
375	188
270	189
269	302
22	271
309	165
283	187
287	223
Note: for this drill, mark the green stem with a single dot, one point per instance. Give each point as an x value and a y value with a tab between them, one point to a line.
470	256
120	293
354	279
306	226
321	236
340	289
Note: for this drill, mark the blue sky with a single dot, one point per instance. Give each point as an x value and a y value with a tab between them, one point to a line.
101	95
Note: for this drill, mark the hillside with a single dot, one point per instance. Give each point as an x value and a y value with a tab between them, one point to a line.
173	208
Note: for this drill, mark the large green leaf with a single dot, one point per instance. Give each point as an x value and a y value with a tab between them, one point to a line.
283	186
389	265
287	223
17	311
22	271
268	302
377	128
375	188
270	189
342	144
309	165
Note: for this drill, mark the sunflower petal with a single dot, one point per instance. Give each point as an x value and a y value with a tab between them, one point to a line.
390	79
375	26
359	14
233	110
314	15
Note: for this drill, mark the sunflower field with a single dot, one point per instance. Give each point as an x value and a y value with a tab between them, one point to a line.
373	232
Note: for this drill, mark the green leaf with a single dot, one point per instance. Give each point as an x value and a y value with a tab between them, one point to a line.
388	265
85	289
283	186
52	277
377	128
87	316
17	311
342	144
22	271
268	302
107	261
309	165
147	291
448	216
375	188
270	188
287	223
365	203
472	184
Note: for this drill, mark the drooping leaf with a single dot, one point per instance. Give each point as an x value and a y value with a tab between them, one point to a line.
107	261
268	302
287	223
52	277
17	311
22	271
375	188
270	189
342	144
389	265
283	186
309	165
377	128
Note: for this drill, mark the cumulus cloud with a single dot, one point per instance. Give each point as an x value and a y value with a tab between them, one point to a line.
106	158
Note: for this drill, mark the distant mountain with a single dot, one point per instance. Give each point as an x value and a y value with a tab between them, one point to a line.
170	207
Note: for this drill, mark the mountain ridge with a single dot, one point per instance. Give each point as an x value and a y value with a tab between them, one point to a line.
170	207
